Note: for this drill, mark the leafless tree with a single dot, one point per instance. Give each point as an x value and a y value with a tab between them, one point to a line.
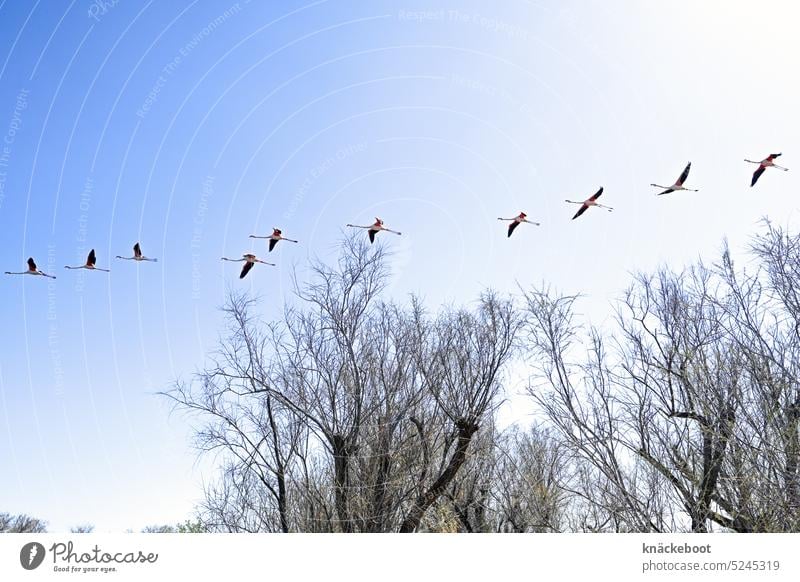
355	413
21	524
247	422
351	413
529	484
462	357
690	418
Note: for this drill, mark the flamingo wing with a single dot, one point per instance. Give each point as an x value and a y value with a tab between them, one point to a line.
512	226
667	191
597	194
757	175
582	209
371	234
31	264
773	156
137	250
684	174
272	243
91	260
246	269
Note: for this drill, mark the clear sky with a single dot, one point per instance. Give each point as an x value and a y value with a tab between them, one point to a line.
188	125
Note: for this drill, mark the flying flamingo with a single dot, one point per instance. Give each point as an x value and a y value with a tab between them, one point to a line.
277	234
137	255
91	260
678	185
515	222
589	202
374	228
249	261
763	165
32	270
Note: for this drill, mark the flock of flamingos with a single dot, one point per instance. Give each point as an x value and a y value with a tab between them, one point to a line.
250	259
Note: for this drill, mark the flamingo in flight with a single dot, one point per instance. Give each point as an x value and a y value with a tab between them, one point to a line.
589	202
32	270
768	162
517	220
678	185
137	255
277	234
373	229
91	261
249	260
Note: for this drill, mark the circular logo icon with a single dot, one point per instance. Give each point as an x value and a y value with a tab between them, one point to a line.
31	555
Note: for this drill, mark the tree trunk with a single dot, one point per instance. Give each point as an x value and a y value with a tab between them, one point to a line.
377	520
427	498
792	456
713	455
341	464
280	472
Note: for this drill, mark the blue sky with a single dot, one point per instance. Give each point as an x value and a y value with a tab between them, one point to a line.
189	125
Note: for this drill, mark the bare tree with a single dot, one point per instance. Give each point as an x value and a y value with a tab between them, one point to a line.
350	413
528	486
354	413
246	422
461	364
21	524
325	368
690	419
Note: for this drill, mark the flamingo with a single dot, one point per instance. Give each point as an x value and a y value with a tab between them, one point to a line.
137	255
763	165
32	270
91	260
589	202
515	222
277	234
678	185
374	228
249	260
